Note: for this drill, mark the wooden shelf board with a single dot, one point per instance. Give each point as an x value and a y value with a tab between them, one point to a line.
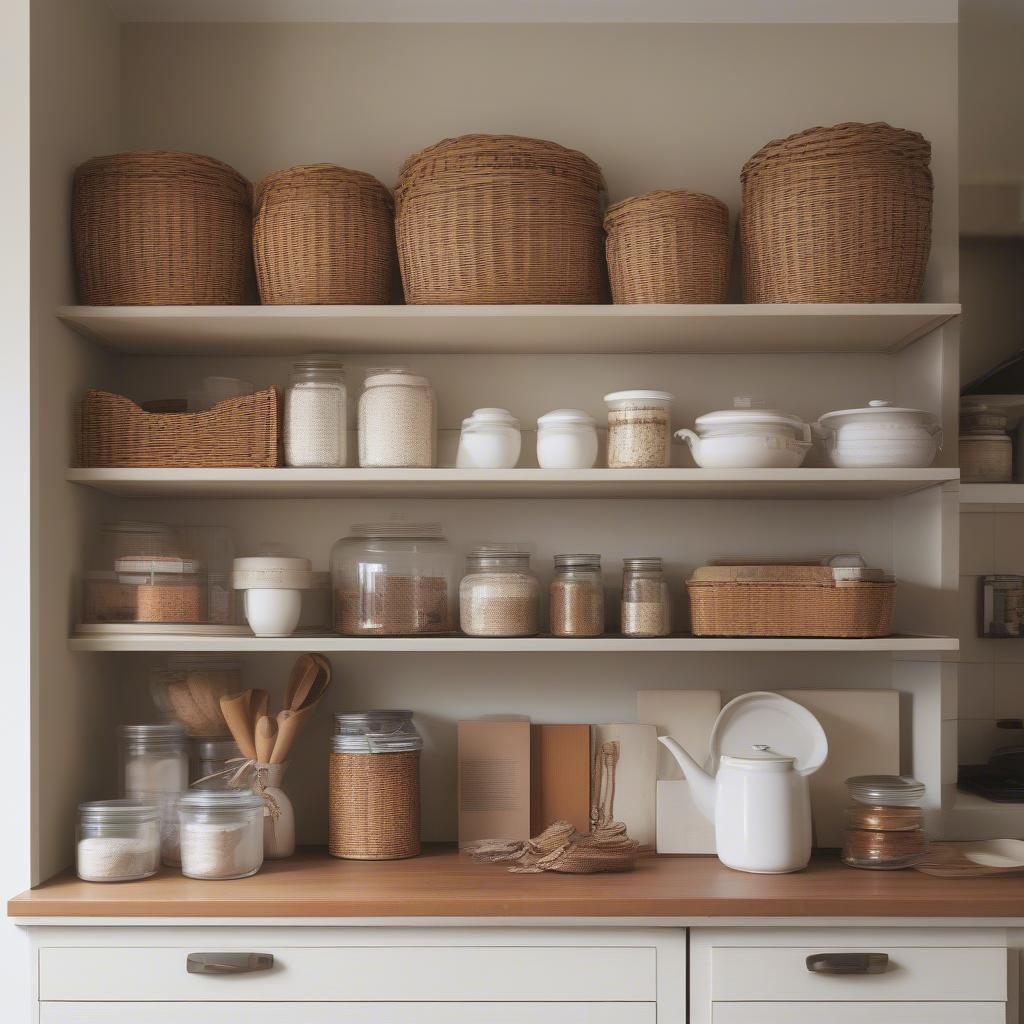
512	483
992	494
443	883
626	330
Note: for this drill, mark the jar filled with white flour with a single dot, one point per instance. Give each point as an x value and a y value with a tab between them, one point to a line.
316	414
154	769
221	833
117	840
397	420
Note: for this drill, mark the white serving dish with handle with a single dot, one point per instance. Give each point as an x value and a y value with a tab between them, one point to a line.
880	436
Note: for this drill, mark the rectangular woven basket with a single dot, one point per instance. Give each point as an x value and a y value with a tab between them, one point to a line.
246	431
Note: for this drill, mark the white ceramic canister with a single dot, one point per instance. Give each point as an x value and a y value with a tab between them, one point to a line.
566	439
880	436
490	439
272	586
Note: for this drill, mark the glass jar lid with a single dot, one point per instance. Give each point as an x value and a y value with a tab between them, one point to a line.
117	812
885	790
220	800
164	735
642	563
215	749
499	556
564	563
375	732
562	417
317	364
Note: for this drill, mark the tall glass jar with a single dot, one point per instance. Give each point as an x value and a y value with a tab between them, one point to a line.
117	840
221	833
394	578
499	595
645	609
639	429
154	769
397	420
316	414
577	596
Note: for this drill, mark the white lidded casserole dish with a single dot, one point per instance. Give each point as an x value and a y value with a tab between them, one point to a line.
880	436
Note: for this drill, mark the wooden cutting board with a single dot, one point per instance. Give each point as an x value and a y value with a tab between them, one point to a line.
559	776
494	780
635	776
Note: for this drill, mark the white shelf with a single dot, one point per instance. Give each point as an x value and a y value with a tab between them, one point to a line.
850	484
626	330
992	494
476	645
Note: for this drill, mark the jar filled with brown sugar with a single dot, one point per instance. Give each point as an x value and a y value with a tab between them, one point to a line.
169	589
645	609
577	596
500	594
884	823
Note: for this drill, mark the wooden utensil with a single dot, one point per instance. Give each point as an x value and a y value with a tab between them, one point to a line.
236	711
289	724
266	736
300	696
259	706
304	663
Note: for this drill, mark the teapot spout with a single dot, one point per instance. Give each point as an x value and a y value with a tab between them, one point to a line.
702	785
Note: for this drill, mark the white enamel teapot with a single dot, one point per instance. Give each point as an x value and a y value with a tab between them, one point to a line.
756	795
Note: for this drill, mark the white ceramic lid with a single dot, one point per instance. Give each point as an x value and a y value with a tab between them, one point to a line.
747	412
278	563
639	395
777	725
396	376
487	417
557	416
166	564
879	409
761	758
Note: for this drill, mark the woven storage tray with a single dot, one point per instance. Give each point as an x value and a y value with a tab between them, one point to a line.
324	234
246	431
668	247
500	219
780	600
161	228
840	214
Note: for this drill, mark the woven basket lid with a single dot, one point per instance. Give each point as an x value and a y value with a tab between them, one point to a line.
155	164
306	176
667	203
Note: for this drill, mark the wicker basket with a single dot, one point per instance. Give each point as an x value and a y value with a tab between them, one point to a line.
323	234
374	809
158	228
500	219
668	247
782	600
246	431
840	214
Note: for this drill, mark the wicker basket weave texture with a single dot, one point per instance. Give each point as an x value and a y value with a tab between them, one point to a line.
374	811
246	431
500	219
840	214
668	246
324	234
161	228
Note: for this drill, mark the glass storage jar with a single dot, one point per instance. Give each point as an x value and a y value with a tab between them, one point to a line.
221	833
499	595
577	596
210	757
154	769
490	439
316	414
885	823
117	840
188	689
374	811
168	589
1002	605
645	609
397	420
566	439
639	429
393	578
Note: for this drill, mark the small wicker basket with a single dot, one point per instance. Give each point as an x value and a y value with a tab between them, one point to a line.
159	228
668	247
323	234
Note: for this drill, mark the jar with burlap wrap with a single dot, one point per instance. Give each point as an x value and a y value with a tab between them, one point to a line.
374	811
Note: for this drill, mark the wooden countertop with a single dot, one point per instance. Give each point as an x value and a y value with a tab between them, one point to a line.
442	883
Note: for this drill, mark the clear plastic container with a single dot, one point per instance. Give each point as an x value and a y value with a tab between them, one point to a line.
221	833
316	414
500	594
393	579
154	769
639	429
397	420
117	840
885	822
210	757
577	596
645	608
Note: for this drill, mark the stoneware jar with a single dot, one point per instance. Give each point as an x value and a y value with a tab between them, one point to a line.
880	436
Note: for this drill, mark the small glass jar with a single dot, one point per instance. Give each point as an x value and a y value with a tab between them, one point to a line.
397	420
645	609
885	823
221	833
577	596
168	589
490	439
566	439
1002	605
499	595
209	757
394	578
639	429
117	840
316	414
154	769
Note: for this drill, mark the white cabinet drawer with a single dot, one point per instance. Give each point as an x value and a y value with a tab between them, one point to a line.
767	974
846	1013
356	974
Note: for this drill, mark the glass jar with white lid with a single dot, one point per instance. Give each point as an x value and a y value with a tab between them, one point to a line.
397	420
316	414
639	429
490	439
566	439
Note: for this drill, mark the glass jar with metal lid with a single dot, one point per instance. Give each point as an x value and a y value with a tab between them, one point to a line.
374	809
221	833
500	594
316	414
645	609
154	769
577	596
885	822
117	840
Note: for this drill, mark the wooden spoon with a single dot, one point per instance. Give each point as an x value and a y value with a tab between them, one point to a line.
304	688
289	725
304	663
259	706
266	735
235	709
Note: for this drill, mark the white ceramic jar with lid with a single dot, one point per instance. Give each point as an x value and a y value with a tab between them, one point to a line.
272	588
397	420
566	439
639	429
748	436
880	436
490	439
316	414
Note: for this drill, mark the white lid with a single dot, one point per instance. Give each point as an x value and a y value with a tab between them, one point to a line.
744	412
565	416
780	726
263	563
398	377
761	758
639	395
501	417
166	564
881	409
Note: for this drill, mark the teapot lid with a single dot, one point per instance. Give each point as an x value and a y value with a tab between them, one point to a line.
761	758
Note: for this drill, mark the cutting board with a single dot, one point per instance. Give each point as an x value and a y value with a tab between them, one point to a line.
494	780
635	776
559	776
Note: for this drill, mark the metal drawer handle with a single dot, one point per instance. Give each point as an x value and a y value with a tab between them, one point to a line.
848	963
228	963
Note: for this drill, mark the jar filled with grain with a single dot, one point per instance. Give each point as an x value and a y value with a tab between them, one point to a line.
645	609
499	595
577	596
639	429
316	414
397	420
393	578
169	589
884	822
117	840
221	833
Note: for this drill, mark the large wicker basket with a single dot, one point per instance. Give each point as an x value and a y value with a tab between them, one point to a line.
500	219
668	247
159	228
840	214
323	234
787	600
246	431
